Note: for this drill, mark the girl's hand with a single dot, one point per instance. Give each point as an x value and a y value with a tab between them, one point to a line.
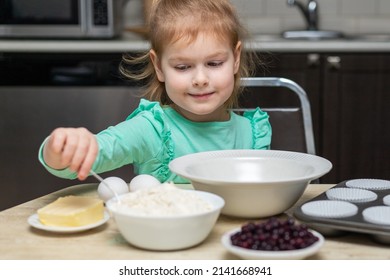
75	148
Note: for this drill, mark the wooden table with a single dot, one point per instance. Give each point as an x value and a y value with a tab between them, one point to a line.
18	240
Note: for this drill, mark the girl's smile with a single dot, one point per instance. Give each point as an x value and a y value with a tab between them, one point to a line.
201	95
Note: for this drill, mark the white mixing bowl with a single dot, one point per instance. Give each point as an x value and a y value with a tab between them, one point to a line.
253	183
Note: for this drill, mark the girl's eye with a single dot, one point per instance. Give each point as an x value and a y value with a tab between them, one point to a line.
182	67
215	63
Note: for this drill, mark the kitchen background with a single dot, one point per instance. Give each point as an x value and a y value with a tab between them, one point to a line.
46	84
275	16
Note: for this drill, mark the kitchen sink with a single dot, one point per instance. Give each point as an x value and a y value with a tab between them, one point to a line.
312	34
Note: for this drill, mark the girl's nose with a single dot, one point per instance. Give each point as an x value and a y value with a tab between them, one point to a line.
200	79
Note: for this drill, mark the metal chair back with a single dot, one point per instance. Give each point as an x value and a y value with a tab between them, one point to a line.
292	126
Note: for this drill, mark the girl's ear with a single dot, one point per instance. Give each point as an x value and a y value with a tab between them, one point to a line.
237	57
157	65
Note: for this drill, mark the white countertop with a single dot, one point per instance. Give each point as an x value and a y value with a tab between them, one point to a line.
133	43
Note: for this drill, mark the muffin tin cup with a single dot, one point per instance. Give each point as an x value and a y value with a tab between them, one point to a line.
329	209
369	184
352	195
379	215
372	216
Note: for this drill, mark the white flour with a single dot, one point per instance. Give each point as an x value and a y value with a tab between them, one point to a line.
163	200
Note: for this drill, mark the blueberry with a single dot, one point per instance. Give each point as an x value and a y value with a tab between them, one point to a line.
274	235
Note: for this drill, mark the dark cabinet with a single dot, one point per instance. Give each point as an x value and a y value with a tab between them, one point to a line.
349	95
356	117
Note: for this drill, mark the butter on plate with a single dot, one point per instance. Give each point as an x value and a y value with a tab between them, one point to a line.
72	211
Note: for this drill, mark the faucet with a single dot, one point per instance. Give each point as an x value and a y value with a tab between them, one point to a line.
310	12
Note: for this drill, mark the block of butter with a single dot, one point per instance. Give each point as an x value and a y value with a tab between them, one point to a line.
72	211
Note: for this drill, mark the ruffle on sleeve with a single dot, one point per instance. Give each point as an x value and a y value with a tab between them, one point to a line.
154	110
261	128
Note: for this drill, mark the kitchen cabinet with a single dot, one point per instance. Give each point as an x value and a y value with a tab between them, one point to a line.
349	95
356	117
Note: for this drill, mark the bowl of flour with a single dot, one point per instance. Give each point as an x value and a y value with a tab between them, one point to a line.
165	217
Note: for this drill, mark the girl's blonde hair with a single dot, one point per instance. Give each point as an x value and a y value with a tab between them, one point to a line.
173	20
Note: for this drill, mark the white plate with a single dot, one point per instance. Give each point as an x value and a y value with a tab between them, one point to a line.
34	221
248	254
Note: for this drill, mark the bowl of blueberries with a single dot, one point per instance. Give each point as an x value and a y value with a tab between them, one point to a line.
273	239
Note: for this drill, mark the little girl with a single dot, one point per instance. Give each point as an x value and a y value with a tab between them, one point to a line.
193	72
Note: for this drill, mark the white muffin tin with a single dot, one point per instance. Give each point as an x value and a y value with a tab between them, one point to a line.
359	205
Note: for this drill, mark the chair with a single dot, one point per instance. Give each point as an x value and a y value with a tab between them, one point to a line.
292	127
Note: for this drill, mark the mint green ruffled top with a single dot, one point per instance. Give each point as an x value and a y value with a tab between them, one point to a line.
153	135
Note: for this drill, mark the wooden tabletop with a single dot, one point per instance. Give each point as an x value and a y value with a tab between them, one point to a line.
18	240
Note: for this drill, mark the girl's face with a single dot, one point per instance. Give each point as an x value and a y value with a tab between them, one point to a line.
199	77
